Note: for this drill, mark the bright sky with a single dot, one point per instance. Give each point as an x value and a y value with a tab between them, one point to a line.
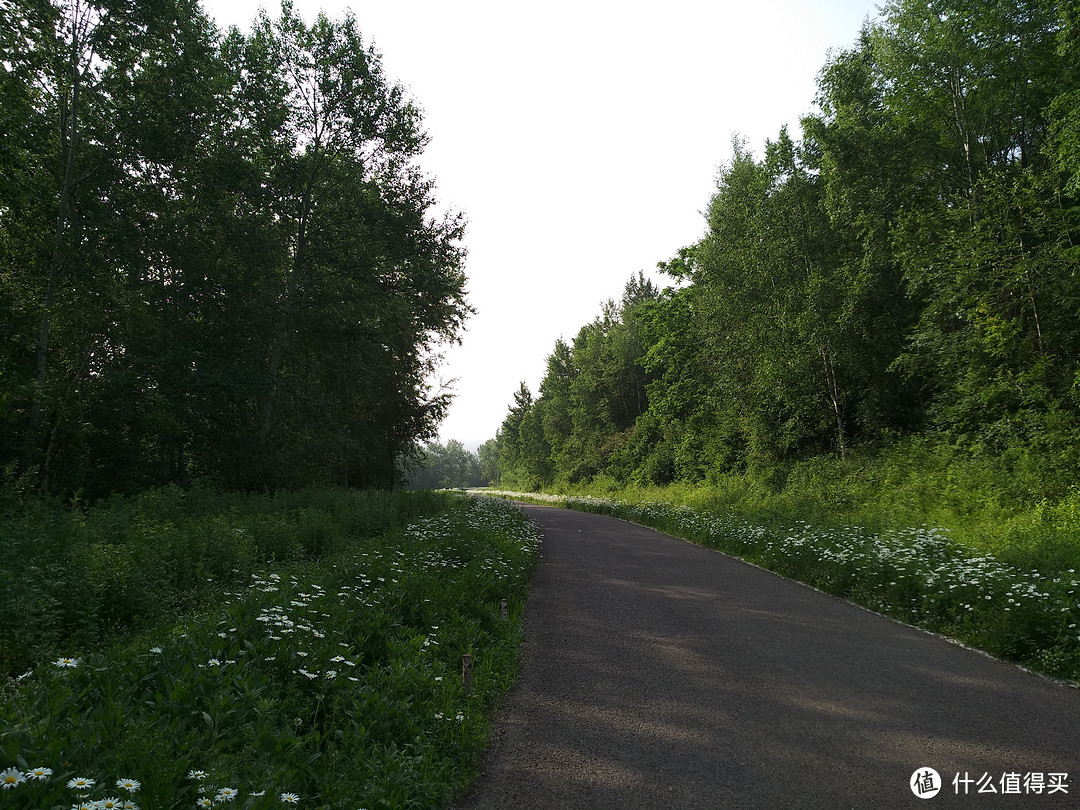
581	138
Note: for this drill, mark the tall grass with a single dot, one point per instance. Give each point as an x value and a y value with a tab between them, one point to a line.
80	578
984	549
1005	505
313	655
921	576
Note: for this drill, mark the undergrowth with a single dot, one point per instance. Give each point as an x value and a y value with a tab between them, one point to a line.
306	649
982	549
921	576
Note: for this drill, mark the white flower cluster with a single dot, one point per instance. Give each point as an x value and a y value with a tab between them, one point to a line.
210	796
82	787
923	566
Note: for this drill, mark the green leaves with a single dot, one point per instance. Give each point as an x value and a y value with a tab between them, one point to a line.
908	265
225	251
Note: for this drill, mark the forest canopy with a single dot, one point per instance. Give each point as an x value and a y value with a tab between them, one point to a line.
219	257
907	265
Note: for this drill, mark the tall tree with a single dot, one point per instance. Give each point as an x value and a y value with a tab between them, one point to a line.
77	67
1065	108
488	457
872	164
510	440
367	280
984	249
557	417
767	299
218	254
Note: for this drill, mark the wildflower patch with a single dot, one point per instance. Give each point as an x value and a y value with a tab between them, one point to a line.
919	575
330	681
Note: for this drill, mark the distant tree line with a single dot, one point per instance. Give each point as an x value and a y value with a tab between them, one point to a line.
445	466
910	264
218	253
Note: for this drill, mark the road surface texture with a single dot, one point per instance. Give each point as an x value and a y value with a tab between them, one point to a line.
659	674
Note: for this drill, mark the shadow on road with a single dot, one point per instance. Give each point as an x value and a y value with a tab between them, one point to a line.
660	674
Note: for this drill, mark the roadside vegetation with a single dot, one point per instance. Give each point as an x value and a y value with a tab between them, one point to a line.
255	651
1019	602
865	373
223	273
897	282
221	261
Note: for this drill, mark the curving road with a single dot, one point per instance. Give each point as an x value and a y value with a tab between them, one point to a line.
659	674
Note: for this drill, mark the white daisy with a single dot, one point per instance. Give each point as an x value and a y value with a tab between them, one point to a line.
11	778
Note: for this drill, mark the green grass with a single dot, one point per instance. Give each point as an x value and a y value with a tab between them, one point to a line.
1018	506
306	644
984	550
921	576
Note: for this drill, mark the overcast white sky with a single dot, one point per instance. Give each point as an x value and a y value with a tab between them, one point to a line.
581	138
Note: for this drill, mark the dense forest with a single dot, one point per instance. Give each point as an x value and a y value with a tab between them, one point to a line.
906	268
219	257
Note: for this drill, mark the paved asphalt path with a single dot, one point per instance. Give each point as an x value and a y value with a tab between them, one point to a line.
658	674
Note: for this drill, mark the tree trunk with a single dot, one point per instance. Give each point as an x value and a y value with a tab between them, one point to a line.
69	139
280	334
279	338
833	389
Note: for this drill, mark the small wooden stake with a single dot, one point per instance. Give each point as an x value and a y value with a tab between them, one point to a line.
466	674
502	609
